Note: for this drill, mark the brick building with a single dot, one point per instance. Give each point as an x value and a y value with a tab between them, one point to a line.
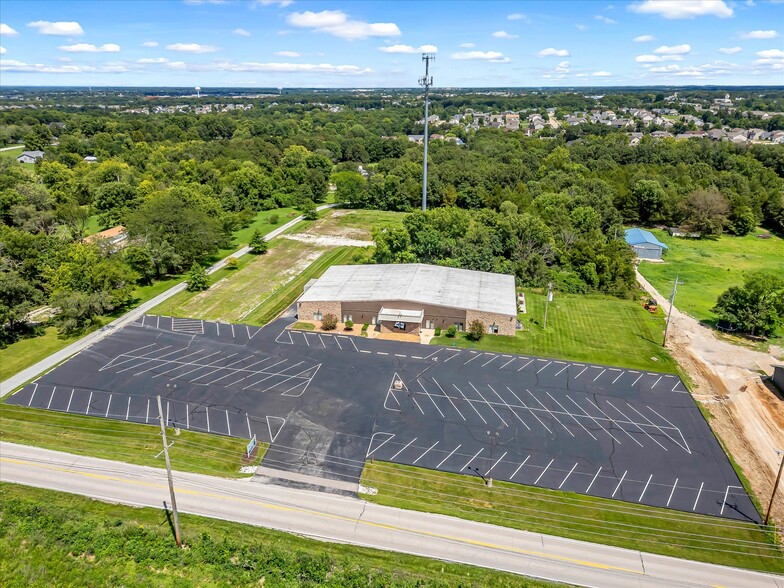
404	298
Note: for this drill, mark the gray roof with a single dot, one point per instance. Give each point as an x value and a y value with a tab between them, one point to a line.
36	154
416	282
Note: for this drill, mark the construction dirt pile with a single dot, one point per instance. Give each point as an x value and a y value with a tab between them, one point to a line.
747	415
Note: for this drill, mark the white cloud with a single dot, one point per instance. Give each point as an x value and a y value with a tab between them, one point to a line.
562	67
581	27
682	9
7	31
337	23
45	27
605	20
467	45
241	32
90	48
2	50
730	50
648	58
771	53
665	68
673	50
191	48
284	68
601	74
150	44
197	2
409	49
152	60
281	3
769	34
552	52
644	39
518	16
12	65
287	54
489	56
503	35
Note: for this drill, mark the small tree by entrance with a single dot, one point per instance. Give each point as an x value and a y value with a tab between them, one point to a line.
476	330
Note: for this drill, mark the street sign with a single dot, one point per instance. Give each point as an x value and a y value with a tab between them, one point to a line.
400	325
251	445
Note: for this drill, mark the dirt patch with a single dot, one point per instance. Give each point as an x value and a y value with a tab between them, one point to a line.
328	240
747	417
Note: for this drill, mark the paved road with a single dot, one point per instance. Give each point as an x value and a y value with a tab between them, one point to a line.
348	520
12	383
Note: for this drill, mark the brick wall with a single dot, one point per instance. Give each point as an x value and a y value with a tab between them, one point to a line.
363	312
305	310
506	324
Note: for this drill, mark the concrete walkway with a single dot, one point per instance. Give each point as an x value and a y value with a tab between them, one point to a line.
19	379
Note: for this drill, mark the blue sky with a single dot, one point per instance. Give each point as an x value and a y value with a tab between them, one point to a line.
272	43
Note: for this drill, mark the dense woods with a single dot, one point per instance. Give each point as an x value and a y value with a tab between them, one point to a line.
541	208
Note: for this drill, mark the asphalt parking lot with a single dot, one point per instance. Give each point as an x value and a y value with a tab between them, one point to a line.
328	402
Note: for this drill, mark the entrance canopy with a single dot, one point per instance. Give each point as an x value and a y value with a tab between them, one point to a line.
401	315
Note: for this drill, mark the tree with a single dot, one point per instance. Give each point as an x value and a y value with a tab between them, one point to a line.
757	307
197	278
329	322
308	208
350	188
650	199
743	220
38	139
74	217
451	331
232	263
476	330
17	298
78	310
257	243
707	212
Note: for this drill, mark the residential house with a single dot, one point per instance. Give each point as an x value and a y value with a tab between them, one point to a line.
91	159
644	244
114	239
512	121
30	156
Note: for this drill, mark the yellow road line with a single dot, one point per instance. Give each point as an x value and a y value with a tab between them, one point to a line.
474	542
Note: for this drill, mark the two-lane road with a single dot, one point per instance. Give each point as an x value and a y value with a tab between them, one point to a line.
348	520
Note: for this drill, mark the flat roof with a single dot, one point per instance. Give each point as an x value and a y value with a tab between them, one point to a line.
399	314
416	282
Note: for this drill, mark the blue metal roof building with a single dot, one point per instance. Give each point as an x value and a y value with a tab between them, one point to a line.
644	244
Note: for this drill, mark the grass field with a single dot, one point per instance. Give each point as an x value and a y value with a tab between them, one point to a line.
575	516
12	153
129	442
708	267
595	329
352	224
56	539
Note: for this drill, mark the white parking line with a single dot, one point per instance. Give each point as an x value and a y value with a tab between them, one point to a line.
338	342
188	418
402	450
638	379
470	403
228	424
672	491
514	412
363	351
128	410
472	459
128	353
432	354
417	405
196	369
417	357
381	353
70	398
222	367
566	367
490	405
594	420
490	360
322	341
656	382
232	331
574	418
448	456
541	422
644	489
522	368
473	358
169	361
596	475
636	425
543	471
698	497
543	367
454	355
518	467
685	443
600	375
581	372
507	363
425	453
550	412
147	414
306	338
388	439
487	473
145	357
400	355
619	483
449	399
617	377
89	402
354	344
430	397
247	367
615	423
567	476
50	398
663	432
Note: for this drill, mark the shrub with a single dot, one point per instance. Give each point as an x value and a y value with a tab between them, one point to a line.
438	331
329	322
197	278
451	331
476	330
349	325
257	243
365	328
232	263
274	219
308	208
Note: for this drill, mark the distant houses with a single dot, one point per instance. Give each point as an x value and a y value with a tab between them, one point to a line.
644	244
114	239
30	156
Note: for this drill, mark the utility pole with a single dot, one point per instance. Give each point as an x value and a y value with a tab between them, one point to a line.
669	314
547	304
426	82
775	487
166	446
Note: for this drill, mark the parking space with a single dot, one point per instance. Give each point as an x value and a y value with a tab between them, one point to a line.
329	401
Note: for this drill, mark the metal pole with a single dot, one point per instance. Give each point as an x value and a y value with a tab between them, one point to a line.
669	313
547	304
426	82
775	487
177	536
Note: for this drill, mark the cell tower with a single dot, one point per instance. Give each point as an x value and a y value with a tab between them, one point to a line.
426	82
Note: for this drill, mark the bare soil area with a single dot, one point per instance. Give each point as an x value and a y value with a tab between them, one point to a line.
747	416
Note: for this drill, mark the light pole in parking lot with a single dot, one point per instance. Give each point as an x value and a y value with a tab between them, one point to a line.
775	486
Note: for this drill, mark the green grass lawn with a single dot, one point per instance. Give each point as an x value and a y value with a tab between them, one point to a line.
52	538
709	267
595	329
350	223
12	153
599	520
92	226
129	442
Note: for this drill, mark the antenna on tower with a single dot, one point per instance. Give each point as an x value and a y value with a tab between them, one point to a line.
426	82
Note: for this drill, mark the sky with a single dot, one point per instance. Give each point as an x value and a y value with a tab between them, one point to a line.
371	44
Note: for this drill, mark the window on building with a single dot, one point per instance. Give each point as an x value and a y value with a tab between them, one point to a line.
493	329
317	316
373	320
459	327
347	317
